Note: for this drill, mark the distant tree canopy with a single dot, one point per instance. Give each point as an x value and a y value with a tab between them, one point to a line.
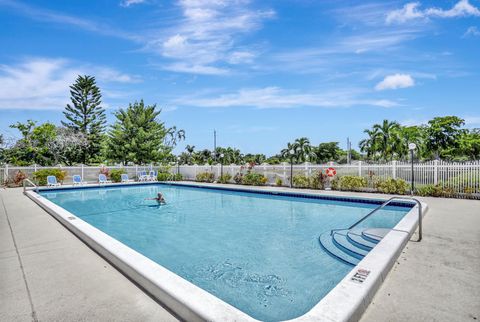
136	136
139	136
442	137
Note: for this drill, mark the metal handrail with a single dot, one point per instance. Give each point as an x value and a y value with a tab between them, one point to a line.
29	181
383	205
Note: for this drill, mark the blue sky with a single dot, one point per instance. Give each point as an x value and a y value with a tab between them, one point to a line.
260	73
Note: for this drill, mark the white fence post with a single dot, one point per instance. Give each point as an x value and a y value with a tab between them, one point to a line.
435	172
284	171
359	168
394	169
83	177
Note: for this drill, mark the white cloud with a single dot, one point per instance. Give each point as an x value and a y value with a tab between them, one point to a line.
204	41
408	12
41	84
395	81
275	97
471	32
412	11
128	3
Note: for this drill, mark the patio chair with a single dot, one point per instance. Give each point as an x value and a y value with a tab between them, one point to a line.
142	176
77	180
152	176
125	178
103	179
52	181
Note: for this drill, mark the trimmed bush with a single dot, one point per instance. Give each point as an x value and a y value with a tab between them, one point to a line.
116	174
313	182
431	190
393	186
177	177
278	182
349	183
40	176
254	179
164	176
205	177
301	181
225	178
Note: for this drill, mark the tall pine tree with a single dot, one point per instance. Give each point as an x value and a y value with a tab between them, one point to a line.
86	115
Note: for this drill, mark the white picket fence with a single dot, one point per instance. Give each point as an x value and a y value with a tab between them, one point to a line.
461	177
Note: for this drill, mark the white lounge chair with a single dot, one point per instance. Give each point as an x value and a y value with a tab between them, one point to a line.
152	176
142	176
125	178
77	180
52	181
103	179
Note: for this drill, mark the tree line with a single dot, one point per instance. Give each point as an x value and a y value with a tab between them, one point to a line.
441	138
137	135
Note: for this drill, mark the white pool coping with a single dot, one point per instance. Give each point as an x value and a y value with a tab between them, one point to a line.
345	302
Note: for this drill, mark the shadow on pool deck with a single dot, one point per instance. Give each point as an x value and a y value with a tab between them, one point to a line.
47	274
437	279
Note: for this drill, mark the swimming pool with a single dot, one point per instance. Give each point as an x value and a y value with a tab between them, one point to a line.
258	252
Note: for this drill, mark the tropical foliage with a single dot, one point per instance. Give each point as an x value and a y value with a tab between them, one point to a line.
137	136
441	137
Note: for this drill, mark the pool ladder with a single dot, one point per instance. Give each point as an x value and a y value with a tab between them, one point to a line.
352	244
383	205
24	183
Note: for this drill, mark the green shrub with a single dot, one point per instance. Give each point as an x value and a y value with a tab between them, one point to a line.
317	181
164	176
178	177
430	190
349	183
279	182
301	181
40	176
254	179
225	178
116	174
393	186
205	177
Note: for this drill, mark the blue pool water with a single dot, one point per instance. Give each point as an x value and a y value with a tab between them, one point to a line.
258	252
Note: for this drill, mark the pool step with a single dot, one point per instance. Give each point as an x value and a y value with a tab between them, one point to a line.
351	245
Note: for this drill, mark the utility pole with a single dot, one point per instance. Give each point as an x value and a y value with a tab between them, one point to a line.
215	145
349	147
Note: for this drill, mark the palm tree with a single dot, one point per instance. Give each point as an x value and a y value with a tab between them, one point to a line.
190	148
386	136
285	153
303	149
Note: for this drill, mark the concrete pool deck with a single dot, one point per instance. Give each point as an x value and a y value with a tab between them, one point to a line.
47	274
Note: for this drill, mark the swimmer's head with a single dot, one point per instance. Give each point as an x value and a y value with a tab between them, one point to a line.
159	195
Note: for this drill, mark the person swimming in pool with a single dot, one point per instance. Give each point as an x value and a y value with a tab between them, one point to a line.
159	198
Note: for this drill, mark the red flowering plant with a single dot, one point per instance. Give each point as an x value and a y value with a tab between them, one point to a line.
104	170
